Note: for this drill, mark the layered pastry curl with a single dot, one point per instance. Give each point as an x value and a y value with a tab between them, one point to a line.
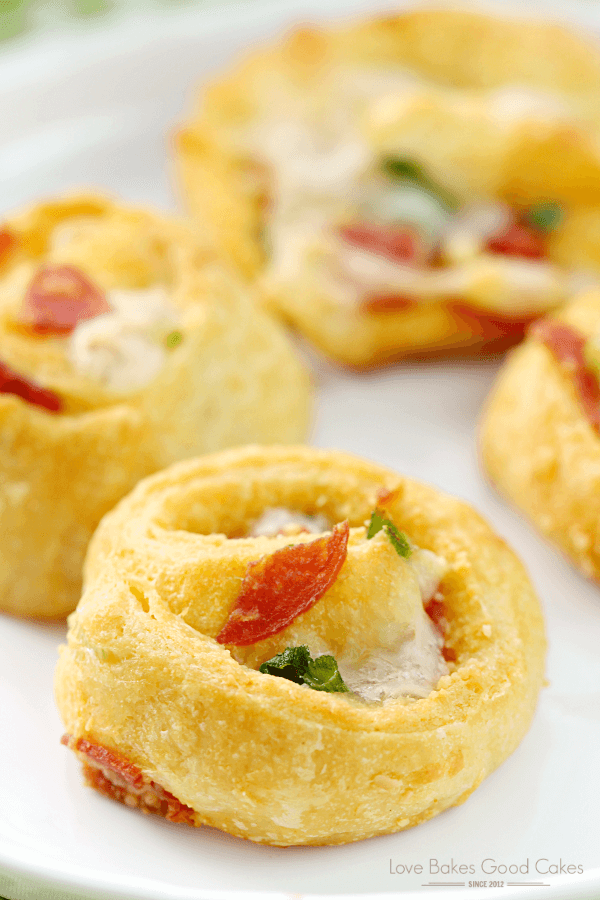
298	647
125	344
405	185
540	433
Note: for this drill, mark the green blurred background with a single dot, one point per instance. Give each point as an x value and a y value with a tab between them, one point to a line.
18	17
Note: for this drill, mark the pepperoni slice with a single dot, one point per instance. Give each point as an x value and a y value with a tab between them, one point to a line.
386	303
519	239
108	759
278	588
386	496
397	244
12	383
8	242
492	330
58	298
436	610
111	773
567	346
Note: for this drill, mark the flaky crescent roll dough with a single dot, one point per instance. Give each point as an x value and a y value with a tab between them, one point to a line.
539	447
143	681
232	375
450	117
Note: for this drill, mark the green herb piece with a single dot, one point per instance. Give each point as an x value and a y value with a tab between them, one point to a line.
323	675
296	664
398	168
292	664
545	216
376	524
398	539
174	339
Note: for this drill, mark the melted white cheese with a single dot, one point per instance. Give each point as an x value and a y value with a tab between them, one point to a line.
412	666
322	166
400	654
429	569
406	204
515	102
471	227
504	284
318	157
411	669
124	350
277	520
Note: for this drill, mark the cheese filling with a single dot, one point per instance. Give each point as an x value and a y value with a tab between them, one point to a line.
323	174
501	284
401	652
412	665
513	102
278	520
125	349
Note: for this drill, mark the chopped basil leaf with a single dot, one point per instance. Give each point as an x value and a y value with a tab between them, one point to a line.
323	675
376	523
292	664
545	216
174	339
400	169
396	167
295	664
398	538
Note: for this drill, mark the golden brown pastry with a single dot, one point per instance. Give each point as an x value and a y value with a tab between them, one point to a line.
399	642
406	185
540	435
124	345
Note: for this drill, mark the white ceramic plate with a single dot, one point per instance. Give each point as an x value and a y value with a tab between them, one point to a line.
86	109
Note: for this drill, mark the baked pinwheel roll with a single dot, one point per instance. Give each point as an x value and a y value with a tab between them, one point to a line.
124	345
407	185
298	647
540	435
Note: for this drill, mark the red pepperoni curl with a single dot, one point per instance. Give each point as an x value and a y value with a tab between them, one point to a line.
278	588
8	242
58	298
436	610
12	383
567	346
109	759
519	239
397	244
149	798
116	777
494	331
385	496
386	303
